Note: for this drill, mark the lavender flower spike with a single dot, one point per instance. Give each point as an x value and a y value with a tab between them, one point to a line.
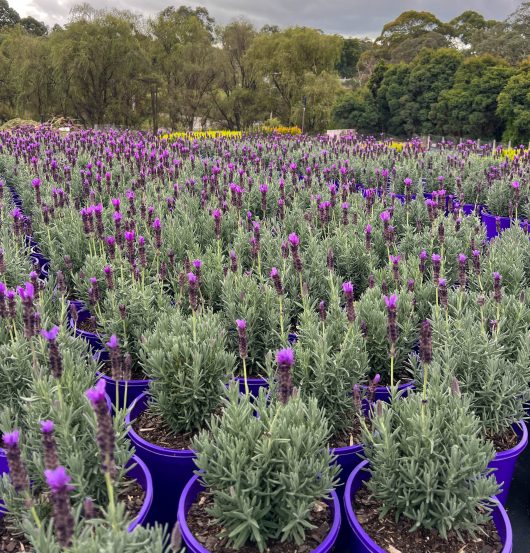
105	432
285	360
59	482
17	470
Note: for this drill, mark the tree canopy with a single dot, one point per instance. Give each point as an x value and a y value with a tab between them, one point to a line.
465	77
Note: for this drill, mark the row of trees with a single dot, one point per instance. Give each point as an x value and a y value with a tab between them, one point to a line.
468	77
442	92
114	67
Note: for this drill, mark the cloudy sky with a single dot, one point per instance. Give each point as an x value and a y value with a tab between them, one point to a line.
347	17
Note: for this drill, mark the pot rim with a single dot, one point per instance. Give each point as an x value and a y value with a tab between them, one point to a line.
193	483
363	536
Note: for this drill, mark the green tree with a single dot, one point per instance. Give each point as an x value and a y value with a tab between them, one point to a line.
186	59
286	59
358	110
98	60
239	96
466	26
410	24
510	38
34	27
514	106
351	51
8	16
469	107
431	72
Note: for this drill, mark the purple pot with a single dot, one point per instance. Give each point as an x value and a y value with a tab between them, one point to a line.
505	461
471	209
489	221
79	305
347	458
384	394
361	542
128	390
92	338
170	468
254	385
194	487
141	474
4	467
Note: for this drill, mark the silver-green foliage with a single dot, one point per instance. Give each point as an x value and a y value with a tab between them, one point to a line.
331	358
100	535
497	385
429	462
266	464
189	361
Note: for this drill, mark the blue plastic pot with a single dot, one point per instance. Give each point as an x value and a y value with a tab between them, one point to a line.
194	487
361	542
505	461
170	469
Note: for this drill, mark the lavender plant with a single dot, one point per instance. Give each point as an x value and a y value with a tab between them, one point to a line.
497	385
428	462
390	330
57	395
257	304
187	359
331	358
280	467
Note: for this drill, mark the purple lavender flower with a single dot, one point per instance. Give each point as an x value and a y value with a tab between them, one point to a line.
322	311
108	277
285	360
157	227
105	432
233	261
56	362
275	275
442	291
436	264
347	289
497	289
294	241
368	236
51	460
426	342
193	291
116	360
17	470
242	335
216	214
476	261
59	482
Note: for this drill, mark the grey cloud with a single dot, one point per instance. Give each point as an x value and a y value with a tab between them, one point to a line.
347	17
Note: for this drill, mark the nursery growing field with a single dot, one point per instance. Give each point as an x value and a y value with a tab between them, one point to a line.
333	331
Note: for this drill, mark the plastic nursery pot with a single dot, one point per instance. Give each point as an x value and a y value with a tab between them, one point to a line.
471	209
490	222
128	390
254	385
92	338
383	393
170	468
4	467
505	461
347	458
194	487
141	474
361	542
